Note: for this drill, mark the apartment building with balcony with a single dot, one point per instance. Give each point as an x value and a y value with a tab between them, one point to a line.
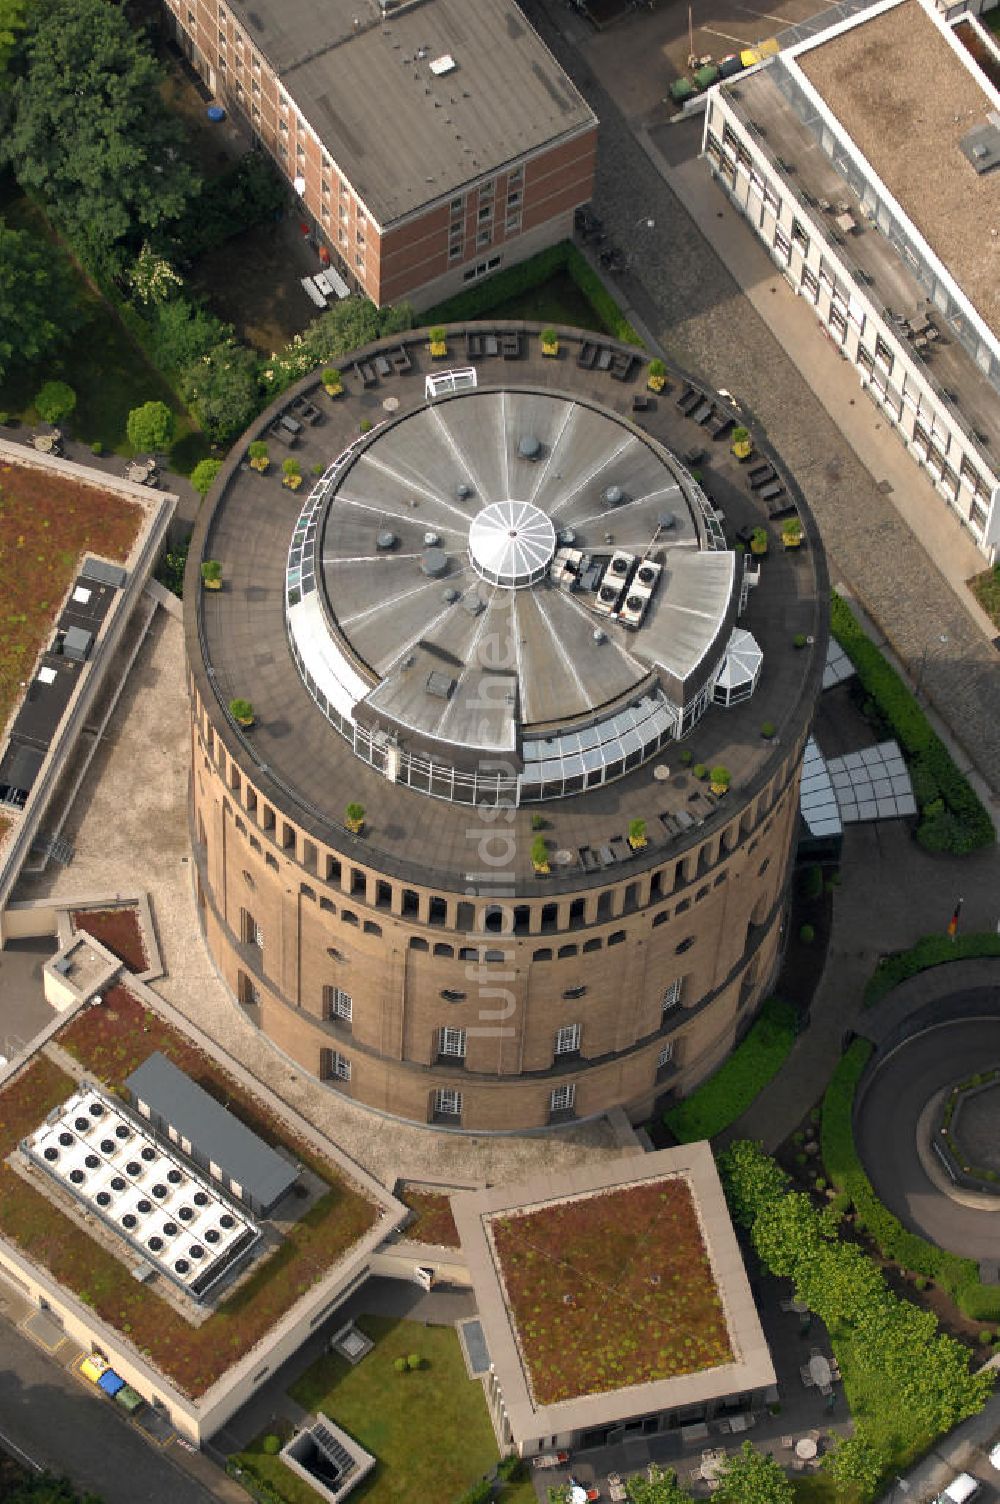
429	143
866	159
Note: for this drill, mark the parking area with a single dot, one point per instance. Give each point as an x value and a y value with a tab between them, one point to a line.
637	58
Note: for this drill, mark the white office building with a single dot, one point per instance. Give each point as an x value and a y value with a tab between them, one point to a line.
867	158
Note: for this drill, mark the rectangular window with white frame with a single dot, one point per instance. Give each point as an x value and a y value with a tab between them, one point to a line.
340	1066
447	1103
339	1004
666	1055
568	1039
451	1043
672	996
562	1098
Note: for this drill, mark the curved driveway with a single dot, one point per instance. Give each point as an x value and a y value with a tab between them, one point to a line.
886	1125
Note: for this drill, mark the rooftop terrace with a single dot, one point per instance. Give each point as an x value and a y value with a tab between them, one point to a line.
300	762
907	96
887	278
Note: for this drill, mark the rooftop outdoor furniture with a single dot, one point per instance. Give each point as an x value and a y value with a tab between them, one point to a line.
365	372
762	476
604	359
46	443
689	399
292	425
702	412
697	1431
806	1448
764	469
621	366
787	1442
382	366
640	402
304	409
770	489
510	345
587	356
281	434
400	361
720	425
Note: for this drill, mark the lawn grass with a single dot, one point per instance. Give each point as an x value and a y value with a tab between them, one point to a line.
429	1430
46	523
105	367
931	950
726	1096
111	1040
986	586
557	301
610	1290
434	1222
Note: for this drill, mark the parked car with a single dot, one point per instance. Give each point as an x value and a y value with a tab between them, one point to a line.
960	1490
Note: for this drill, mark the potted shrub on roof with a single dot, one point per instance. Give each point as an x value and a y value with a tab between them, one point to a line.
439	341
333	382
742	444
292	477
550	342
637	834
656	376
211	574
758	542
241	712
791	532
259	457
721	779
540	856
354	817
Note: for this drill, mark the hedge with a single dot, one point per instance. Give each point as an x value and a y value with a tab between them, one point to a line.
483	297
953	817
726	1096
959	1276
931	950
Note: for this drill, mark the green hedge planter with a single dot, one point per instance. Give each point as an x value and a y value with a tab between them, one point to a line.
726	1096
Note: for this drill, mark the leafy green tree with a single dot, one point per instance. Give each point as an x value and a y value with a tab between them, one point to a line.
753	1477
46	1488
223	390
38	304
856	1463
203	475
89	133
181	331
150	426
12	19
660	1486
55	401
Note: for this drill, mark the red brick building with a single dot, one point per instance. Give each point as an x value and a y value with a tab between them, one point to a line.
430	142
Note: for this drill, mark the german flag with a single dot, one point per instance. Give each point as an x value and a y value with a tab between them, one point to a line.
953	921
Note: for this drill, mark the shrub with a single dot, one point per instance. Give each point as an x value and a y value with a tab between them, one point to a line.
55	401
354	816
180	332
637	833
365	425
97	447
222	389
150	426
203	475
720	777
963	824
437	334
414	1361
511	1469
740	434
687	757
271	1445
726	1096
931	950
979	1302
549	336
767	730
479	1493
241	710
537	822
211	570
811	881
807	934
291	466
799	640
539	852
399	1364
700	770
820	1183
331	376
657	367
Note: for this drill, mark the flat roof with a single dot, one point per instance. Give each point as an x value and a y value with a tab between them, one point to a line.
302	764
907	97
403	134
746	1366
214	1132
882	267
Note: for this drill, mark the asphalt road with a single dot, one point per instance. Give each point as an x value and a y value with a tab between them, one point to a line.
52	1420
886	1133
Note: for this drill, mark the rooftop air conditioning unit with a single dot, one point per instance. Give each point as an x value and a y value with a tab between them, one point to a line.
442	65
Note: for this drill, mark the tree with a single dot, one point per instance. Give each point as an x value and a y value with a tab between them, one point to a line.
55	401
856	1463
150	426
754	1478
89	132
222	389
38	303
203	475
660	1486
13	14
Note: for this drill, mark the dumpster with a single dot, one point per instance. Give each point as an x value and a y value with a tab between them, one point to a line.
110	1382
129	1399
